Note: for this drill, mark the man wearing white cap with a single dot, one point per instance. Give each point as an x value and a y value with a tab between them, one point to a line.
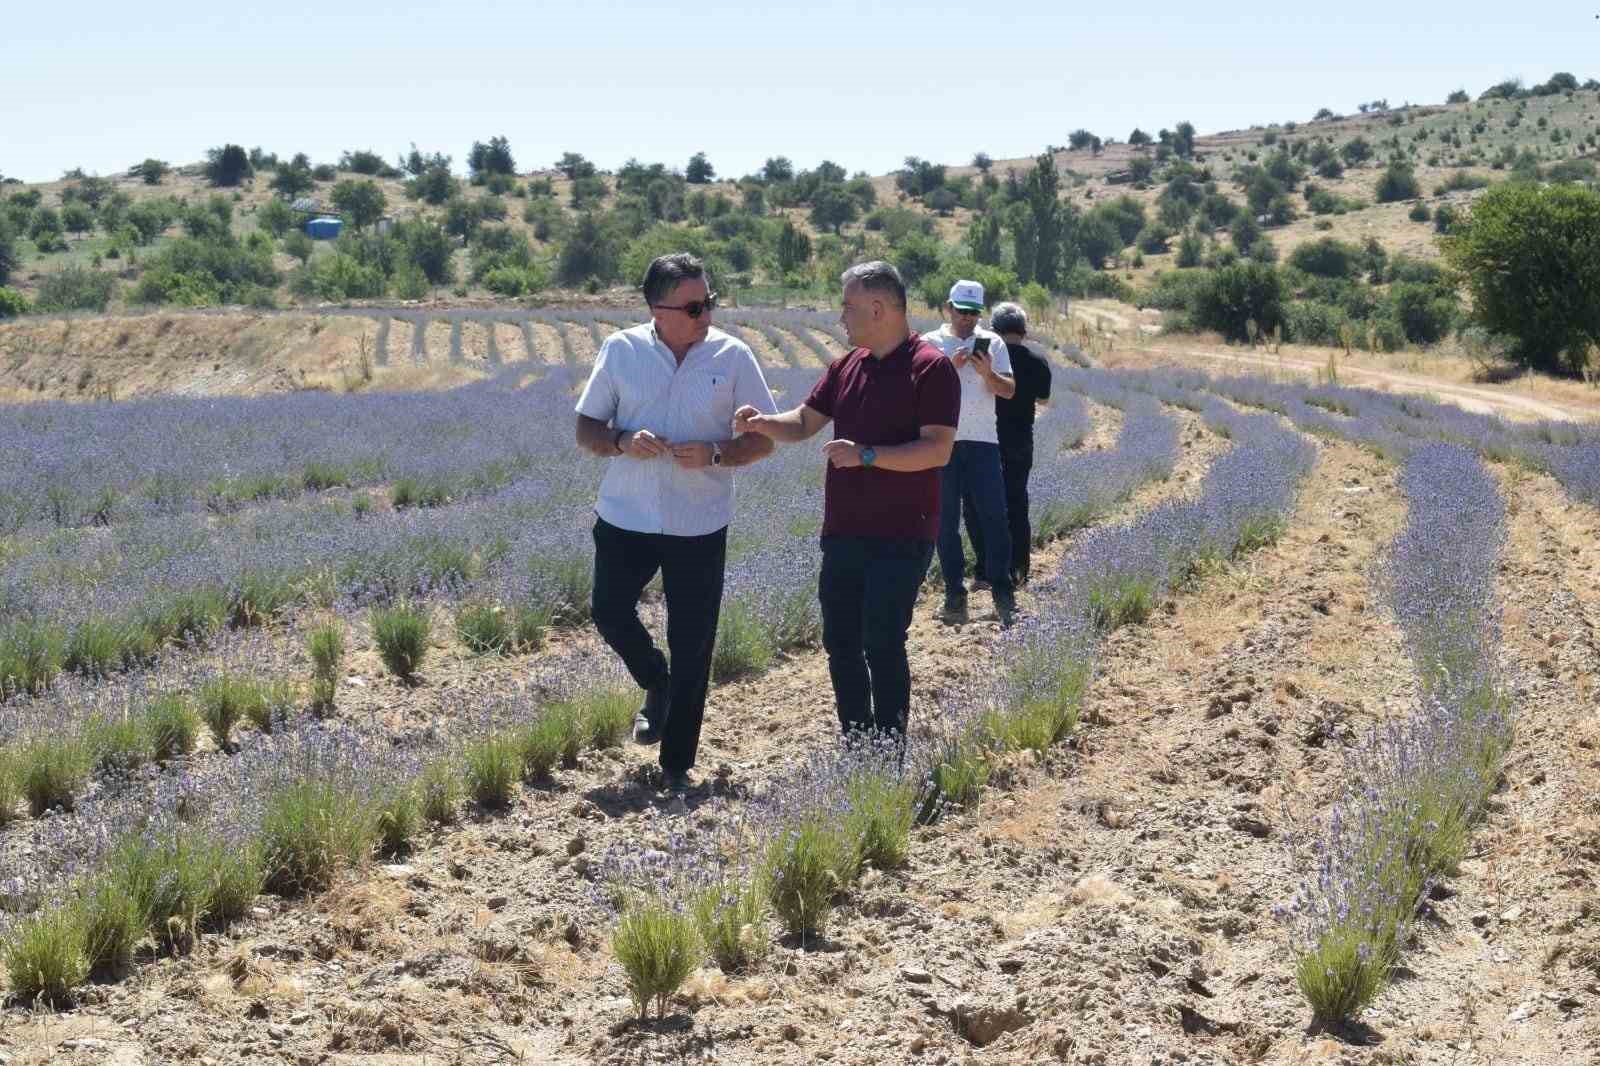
973	472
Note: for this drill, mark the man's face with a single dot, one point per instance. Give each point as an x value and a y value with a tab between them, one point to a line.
675	327
859	315
962	323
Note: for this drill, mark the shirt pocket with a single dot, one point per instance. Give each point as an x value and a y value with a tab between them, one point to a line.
713	393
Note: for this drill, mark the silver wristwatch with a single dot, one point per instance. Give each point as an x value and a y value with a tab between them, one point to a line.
716	454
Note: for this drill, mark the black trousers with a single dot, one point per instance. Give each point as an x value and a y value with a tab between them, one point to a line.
691	576
1016	463
867	589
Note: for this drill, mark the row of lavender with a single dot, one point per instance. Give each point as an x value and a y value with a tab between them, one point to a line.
1416	785
770	607
842	810
53	870
70	465
1392	424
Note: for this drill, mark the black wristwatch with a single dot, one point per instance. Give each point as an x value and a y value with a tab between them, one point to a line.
616	442
716	454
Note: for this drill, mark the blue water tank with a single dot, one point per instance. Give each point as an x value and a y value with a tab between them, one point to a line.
324	229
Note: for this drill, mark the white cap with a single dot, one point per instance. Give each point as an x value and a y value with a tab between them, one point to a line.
967	295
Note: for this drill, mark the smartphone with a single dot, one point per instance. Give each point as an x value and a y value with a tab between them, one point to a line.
980	346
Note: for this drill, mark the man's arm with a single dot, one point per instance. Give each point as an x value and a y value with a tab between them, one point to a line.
996	370
786	427
602	439
929	451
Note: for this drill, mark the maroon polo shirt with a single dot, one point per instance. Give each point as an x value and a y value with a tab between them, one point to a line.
880	402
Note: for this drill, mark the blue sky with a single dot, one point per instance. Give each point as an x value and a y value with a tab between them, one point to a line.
102	85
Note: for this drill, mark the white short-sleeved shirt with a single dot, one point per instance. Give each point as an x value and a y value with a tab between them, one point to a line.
977	402
636	384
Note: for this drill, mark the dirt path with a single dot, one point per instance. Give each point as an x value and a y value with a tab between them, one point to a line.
488	943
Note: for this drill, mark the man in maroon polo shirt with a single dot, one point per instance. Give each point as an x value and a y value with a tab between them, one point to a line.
894	402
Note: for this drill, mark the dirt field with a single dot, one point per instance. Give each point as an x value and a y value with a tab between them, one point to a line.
1109	903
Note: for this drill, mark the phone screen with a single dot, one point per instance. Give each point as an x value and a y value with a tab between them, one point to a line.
981	344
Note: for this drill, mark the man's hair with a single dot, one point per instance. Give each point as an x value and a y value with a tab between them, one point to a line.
880	277
1009	318
666	271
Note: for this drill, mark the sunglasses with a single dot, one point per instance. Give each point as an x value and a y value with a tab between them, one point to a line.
694	308
963	311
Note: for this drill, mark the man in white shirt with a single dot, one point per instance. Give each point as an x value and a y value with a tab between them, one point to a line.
974	472
659	404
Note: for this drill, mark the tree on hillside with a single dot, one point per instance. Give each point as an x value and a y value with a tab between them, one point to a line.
794	249
778	168
832	207
416	164
294	178
366	161
1356	151
1138	138
1079	139
361	202
1531	260
492	158
228	165
1050	219
574	166
699	171
982	161
591	251
1399	182
984	238
151	170
1183	140
10	258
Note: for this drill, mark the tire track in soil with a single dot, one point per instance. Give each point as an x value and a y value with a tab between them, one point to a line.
493	920
1116	908
1506	969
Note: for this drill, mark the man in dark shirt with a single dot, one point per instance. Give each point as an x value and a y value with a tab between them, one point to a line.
894	402
1014	422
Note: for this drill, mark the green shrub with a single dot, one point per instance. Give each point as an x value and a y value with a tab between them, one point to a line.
960	772
1398	182
1419	212
439	791
46	955
325	646
607	715
190	272
312	829
1425	313
743	645
732	915
882	808
31	657
75	288
1327	258
1234	295
95	648
275	217
12	302
492	765
1313	322
228	165
483	628
401	633
658	947
221	702
170	723
804	866
1547	304
399	818
117	742
52	769
10	787
112	927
